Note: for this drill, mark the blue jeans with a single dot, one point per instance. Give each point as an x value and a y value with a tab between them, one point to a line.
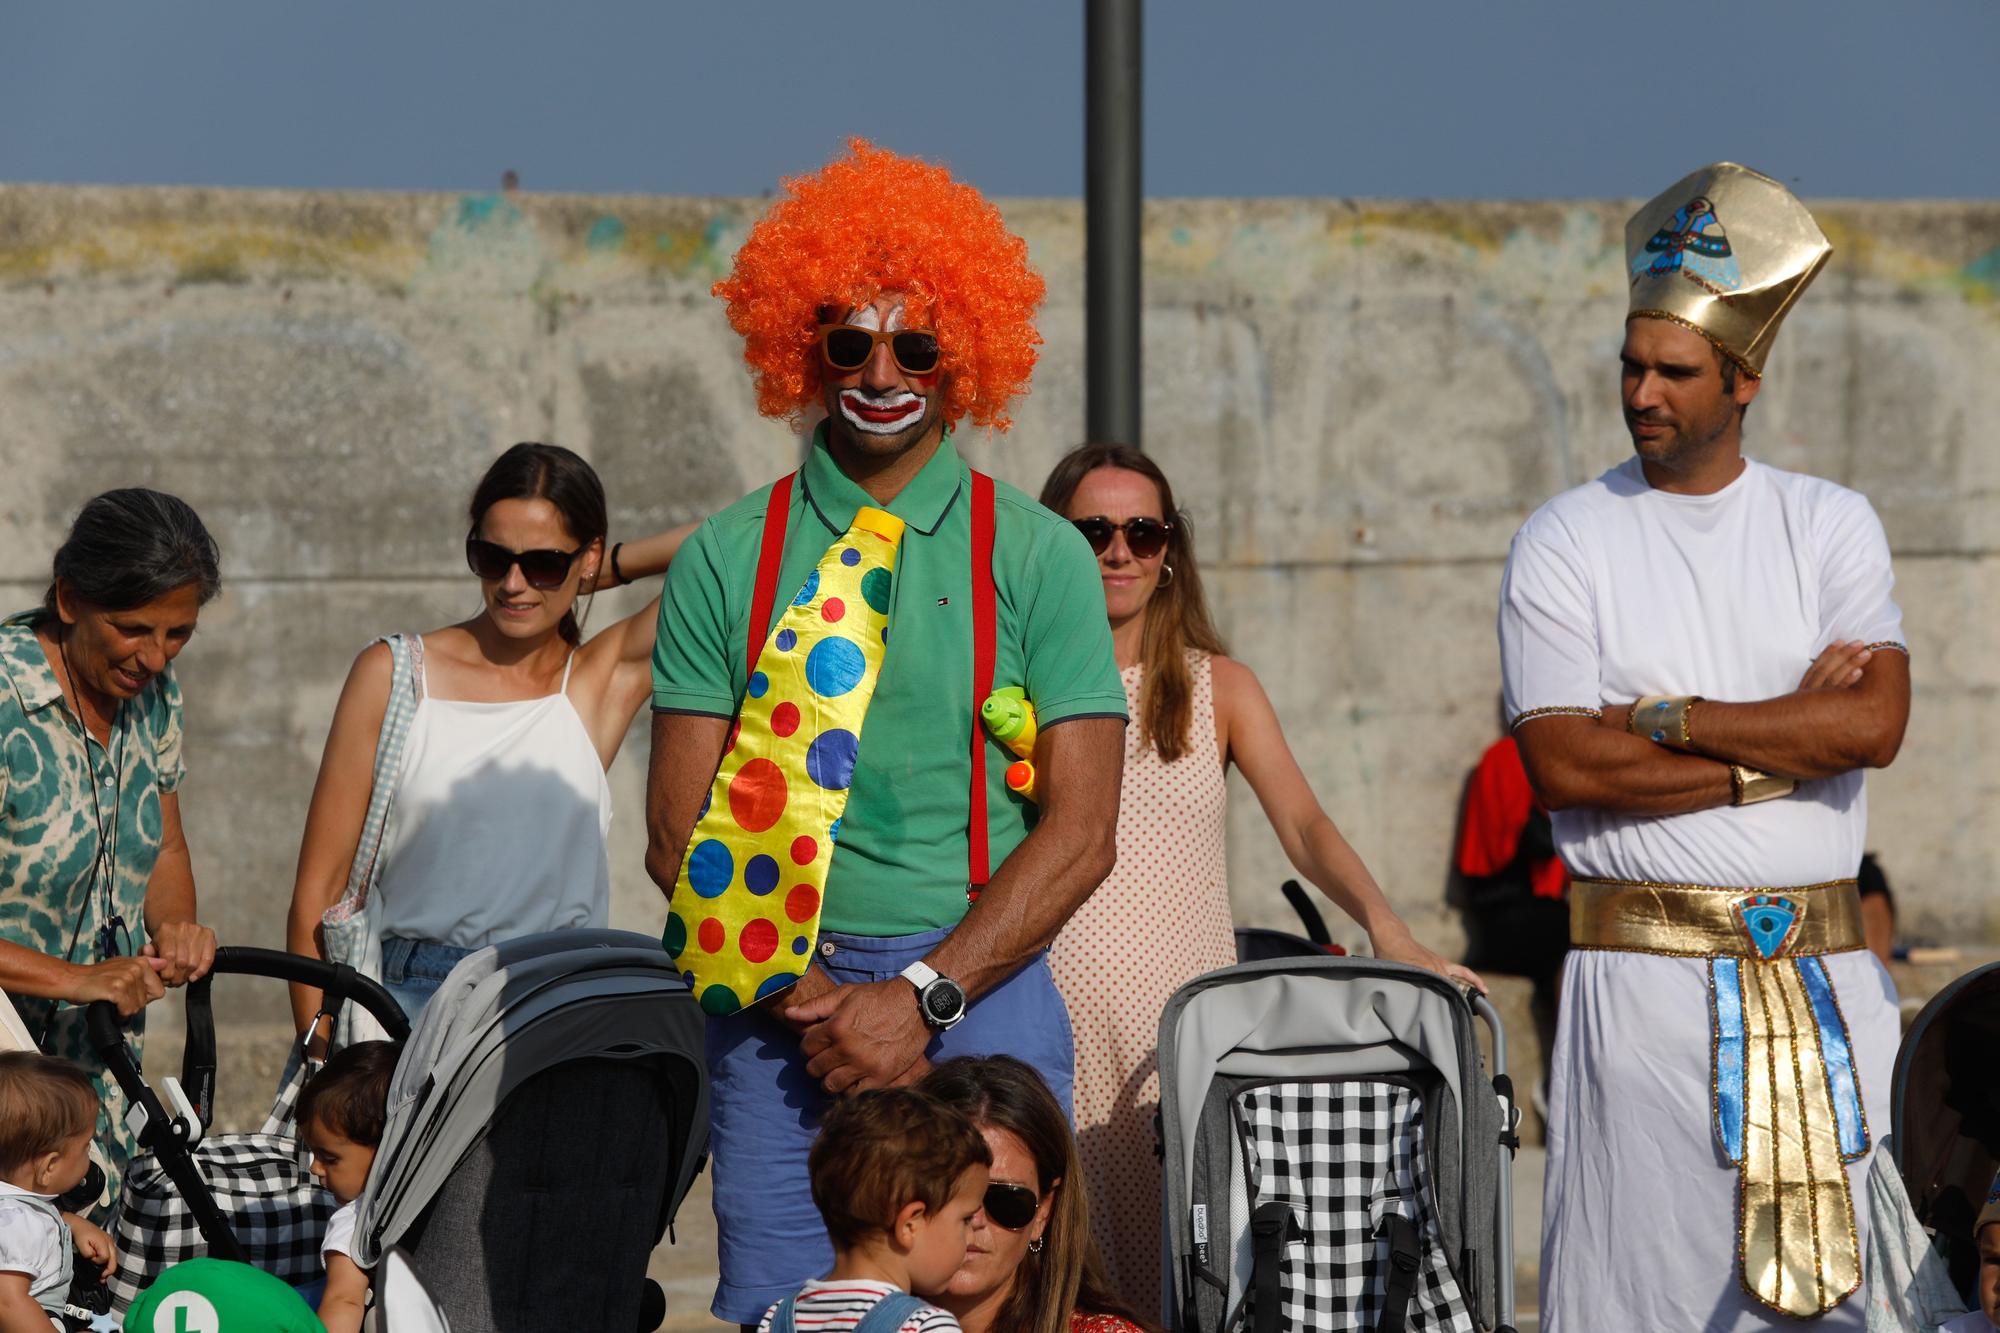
764	1110
412	970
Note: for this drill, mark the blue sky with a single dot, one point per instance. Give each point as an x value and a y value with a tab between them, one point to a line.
1556	98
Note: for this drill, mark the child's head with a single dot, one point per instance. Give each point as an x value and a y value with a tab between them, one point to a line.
48	1111
1986	1235
342	1112
897	1166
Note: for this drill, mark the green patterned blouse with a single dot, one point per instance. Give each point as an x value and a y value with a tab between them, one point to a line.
49	837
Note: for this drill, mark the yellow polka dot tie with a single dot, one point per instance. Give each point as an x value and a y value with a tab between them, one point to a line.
747	905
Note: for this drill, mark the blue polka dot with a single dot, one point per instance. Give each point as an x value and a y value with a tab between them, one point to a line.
850	557
833	830
799	945
708	798
811	589
772	985
787	640
761	875
759	682
830	758
711	867
688	977
833	667
885	638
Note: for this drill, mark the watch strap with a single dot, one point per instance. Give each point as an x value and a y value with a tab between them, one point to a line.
920	974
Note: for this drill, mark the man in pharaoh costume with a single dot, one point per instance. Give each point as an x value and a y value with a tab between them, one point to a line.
854	890
1701	656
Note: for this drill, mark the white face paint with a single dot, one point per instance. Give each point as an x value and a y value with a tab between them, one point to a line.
868	317
880	416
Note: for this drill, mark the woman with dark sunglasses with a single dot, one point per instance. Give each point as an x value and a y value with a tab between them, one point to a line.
501	806
1030	1265
1166	905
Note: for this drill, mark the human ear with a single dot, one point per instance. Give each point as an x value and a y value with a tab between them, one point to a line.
45	1169
1746	389
908	1218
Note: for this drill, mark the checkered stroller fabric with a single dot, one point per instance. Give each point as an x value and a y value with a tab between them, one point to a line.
1344	1156
260	1182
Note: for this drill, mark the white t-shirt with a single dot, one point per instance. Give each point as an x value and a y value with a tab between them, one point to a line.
836	1307
340	1231
1972	1322
1615	590
34	1240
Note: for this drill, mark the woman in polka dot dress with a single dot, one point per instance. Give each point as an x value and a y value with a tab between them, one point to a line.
1162	918
501	805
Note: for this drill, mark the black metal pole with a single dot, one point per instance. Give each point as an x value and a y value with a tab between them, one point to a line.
1112	195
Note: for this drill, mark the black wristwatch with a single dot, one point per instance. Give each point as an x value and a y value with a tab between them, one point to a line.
940	1000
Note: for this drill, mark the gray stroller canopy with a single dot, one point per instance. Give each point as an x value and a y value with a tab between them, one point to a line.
504	1015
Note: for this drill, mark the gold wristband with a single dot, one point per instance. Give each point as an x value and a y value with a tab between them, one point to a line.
1748	786
1663	719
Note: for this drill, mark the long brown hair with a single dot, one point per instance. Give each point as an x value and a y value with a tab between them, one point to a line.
1067	1276
1177	617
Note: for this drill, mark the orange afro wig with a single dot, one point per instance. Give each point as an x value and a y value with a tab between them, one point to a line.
873	222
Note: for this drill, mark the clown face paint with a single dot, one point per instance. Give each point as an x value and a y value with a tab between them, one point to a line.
878	409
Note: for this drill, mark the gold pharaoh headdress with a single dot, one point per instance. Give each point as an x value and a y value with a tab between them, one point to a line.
1725	252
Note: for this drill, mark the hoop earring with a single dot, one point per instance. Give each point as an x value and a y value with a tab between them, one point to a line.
1035	1245
1166	576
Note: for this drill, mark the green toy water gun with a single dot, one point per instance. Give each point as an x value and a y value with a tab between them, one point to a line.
1009	717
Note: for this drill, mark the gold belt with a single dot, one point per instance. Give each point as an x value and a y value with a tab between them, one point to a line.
1699	921
1787	1093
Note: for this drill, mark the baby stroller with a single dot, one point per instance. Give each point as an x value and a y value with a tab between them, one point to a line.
544	1125
1945	1116
1254	944
243	1197
1335	1156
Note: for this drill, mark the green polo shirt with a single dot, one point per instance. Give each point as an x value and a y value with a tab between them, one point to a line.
899	866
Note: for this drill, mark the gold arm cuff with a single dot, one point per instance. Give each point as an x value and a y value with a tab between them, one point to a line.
1663	719
1749	785
1702	921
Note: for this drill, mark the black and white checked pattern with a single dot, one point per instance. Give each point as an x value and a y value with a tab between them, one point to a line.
260	1181
1345	1155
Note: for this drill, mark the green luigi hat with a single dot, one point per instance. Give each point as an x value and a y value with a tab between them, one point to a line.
217	1296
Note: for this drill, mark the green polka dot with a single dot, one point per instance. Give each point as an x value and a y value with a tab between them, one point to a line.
875	589
676	937
720	1001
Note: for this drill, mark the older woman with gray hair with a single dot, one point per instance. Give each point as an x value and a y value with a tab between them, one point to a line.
97	896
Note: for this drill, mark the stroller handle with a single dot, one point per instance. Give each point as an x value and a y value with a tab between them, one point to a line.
339	982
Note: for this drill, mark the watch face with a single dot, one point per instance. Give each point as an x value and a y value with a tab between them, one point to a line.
943	1001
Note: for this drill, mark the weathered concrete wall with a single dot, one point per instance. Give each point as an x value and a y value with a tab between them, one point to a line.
1358	402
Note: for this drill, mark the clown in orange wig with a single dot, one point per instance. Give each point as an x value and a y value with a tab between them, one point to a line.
870	224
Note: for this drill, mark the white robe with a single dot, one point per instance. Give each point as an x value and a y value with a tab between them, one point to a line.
1614	590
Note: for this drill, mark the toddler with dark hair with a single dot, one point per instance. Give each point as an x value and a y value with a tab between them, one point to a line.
342	1113
897	1177
48	1112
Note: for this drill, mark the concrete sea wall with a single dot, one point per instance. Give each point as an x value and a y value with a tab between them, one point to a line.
1358	401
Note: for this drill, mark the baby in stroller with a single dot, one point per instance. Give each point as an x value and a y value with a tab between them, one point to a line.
342	1112
48	1113
1986	1235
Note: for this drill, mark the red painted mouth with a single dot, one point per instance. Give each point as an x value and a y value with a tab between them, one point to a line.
882	414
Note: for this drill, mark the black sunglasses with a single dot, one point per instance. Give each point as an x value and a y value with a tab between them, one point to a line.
1144	537
1011	1206
847	347
542	569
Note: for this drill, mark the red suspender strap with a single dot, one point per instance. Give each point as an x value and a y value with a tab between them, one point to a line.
770	556
985	617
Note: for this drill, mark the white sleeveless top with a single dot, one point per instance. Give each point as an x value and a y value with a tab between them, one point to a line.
499	824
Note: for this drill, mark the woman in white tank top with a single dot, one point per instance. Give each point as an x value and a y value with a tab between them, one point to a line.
501	806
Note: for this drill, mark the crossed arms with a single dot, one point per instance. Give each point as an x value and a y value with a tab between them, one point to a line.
1848	712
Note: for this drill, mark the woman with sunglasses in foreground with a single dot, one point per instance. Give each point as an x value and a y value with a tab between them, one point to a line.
501	806
1030	1266
1162	918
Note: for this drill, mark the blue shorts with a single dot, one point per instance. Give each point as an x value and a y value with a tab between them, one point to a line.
412	970
764	1110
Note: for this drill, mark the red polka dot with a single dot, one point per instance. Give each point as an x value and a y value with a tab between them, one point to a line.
833	609
785	719
804	851
802	902
759	940
735	730
757	795
711	935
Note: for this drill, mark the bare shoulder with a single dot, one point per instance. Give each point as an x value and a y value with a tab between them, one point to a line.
1236	686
